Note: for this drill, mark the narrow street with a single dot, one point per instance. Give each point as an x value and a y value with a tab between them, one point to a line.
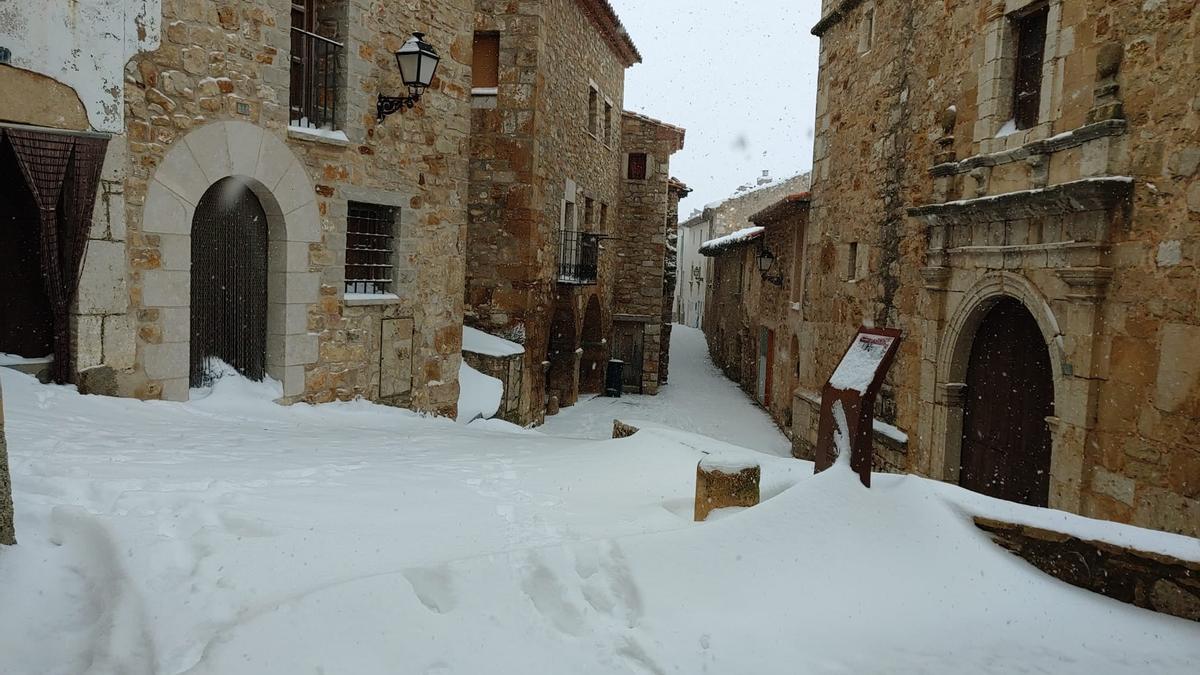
698	398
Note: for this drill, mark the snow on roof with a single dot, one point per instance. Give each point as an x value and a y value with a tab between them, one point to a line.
677	133
717	246
782	208
479	342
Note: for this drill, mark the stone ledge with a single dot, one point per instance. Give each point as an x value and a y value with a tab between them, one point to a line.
315	136
1088	194
835	16
1153	581
1045	146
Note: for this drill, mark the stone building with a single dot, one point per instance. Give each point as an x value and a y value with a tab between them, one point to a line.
714	220
642	295
251	205
547	191
1014	184
748	315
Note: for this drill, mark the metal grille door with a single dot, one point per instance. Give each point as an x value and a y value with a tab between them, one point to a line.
229	282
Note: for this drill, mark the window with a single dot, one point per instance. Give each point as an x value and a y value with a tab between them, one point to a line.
318	29
485	64
608	123
852	262
589	212
603	217
594	111
1030	31
637	166
867	36
569	216
369	233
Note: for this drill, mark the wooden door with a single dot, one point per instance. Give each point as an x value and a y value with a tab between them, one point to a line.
1009	395
766	363
628	346
229	282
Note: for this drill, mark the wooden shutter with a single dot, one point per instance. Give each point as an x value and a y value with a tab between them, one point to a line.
485	66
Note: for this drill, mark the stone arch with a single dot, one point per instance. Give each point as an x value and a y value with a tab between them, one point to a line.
954	353
280	182
595	349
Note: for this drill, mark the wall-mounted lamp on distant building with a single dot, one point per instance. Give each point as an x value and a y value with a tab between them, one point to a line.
766	260
418	61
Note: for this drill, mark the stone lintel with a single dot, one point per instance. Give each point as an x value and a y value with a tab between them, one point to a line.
935	277
1088	194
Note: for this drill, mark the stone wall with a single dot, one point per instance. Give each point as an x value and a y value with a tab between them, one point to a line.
7	533
743	301
734	213
641	236
531	153
213	101
1105	264
1153	581
510	371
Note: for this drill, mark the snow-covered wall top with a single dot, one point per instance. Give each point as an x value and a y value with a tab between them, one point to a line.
84	44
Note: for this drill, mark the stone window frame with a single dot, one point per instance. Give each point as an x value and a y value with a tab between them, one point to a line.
609	128
403	242
628	165
866	29
995	91
592	119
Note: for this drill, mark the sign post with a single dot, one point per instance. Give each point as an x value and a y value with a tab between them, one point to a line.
848	400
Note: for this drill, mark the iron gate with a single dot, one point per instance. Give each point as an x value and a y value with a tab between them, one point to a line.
229	282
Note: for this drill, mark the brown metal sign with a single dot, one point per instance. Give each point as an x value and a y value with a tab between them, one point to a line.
848	400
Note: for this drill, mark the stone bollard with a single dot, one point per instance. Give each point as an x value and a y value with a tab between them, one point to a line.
622	430
552	405
721	483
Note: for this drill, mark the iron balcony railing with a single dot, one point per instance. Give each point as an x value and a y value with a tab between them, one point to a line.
578	258
316	68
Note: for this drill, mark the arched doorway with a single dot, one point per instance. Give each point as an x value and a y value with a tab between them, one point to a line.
229	281
1005	450
595	352
26	322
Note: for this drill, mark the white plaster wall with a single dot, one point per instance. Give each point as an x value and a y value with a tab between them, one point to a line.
689	292
84	44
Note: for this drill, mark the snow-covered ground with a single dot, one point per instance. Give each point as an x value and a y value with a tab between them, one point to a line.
233	536
698	398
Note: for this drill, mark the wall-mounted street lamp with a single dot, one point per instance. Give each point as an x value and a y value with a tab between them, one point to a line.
417	61
766	260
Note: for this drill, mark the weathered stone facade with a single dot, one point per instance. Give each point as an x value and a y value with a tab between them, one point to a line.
649	208
930	208
748	311
213	99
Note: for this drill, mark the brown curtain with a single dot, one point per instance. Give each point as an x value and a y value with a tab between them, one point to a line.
60	170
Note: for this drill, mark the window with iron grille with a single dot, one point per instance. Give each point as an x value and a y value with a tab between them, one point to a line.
370	229
318	61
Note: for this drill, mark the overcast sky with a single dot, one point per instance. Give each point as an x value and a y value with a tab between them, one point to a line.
739	75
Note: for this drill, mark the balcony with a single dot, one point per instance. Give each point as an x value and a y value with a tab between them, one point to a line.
578	258
315	81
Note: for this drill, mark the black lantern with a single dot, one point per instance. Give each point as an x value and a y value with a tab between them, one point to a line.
417	61
766	260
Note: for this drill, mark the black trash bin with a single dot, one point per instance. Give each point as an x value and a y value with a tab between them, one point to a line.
613	376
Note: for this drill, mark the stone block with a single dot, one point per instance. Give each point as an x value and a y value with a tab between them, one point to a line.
176	389
723	484
120	342
166	288
165	361
1178	373
89	341
102	288
1120	488
165	212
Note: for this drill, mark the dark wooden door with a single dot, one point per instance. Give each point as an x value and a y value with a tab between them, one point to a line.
1010	393
229	282
628	345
